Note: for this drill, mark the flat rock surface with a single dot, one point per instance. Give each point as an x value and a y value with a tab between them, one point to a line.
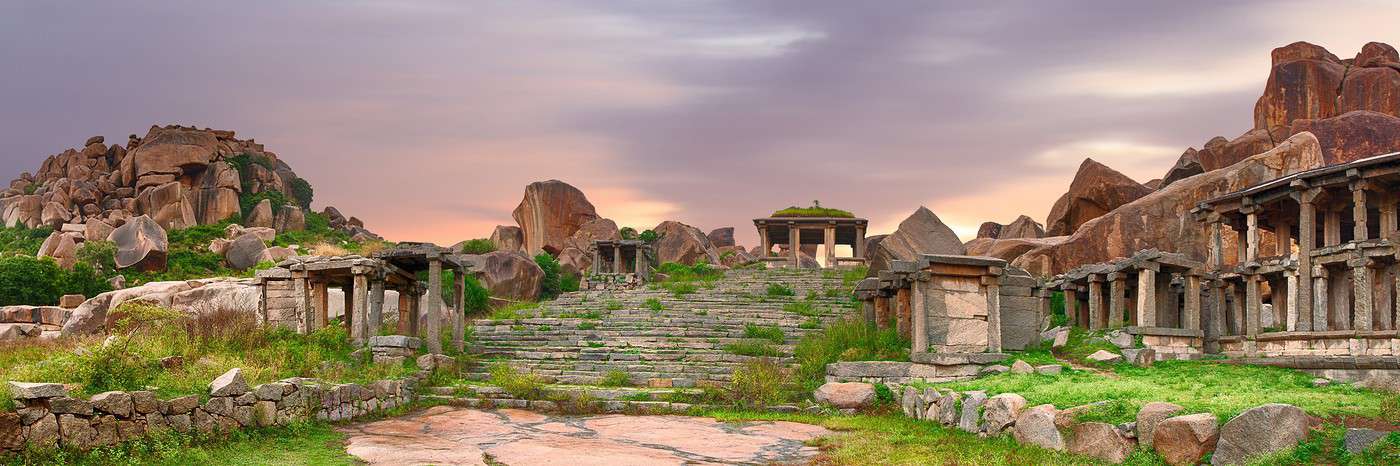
460	436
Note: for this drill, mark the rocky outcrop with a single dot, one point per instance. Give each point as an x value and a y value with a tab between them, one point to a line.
1186	166
683	244
1302	84
1009	249
508	274
260	215
289	218
196	297
990	230
1161	219
141	244
1353	136
721	237
550	213
62	247
507	238
1257	431
1022	227
734	256
921	233
1096	190
1220	153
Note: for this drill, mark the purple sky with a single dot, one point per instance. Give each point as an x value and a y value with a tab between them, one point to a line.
426	119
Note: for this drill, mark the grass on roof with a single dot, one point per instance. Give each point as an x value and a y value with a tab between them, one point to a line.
825	212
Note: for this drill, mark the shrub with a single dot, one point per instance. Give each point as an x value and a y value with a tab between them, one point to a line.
847	340
778	289
99	254
549	285
681	289
83	280
570	282
301	190
616	378
811	323
627	233
758	383
752	348
522	385
649	236
22	240
477	296
614	305
587	325
816	210
478	246
655	305
29	280
770	333
247	201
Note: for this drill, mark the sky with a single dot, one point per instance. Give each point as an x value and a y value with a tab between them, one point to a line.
426	119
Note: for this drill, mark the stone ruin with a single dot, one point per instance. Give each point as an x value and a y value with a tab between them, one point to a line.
618	265
799	236
1154	295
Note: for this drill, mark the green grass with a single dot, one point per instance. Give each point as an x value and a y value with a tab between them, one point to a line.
778	289
802	308
680	289
613	305
654	304
299	444
756	348
514	311
853	275
813	211
770	333
847	340
616	378
587	325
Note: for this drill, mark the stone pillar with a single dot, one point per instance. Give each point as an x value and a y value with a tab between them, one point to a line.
359	330
1388	216
1217	246
1320	293
859	247
903	311
867	308
1117	292
1072	307
1358	210
1241	296
303	307
434	312
1215	320
376	303
1191	315
348	292
1251	237
406	313
1253	303
597	260
1241	246
992	287
920	317
1307	232
765	245
1147	298
459	287
1331	226
1290	317
1168	306
1096	303
795	244
617	259
830	244
882	311
1363	299
323	305
1283	238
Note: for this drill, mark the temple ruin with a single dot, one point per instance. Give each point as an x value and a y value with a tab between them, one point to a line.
1155	295
296	293
793	233
618	264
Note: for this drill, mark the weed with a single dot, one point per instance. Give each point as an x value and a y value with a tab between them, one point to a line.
778	289
523	385
758	348
616	378
770	333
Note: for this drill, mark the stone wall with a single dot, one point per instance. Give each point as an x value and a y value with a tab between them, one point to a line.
1021	321
927	368
25	322
48	417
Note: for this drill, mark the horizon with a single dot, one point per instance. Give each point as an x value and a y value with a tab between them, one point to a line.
408	117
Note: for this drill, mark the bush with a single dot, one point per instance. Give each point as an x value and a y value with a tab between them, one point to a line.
802	308
649	236
83	280
847	340
478	246
21	240
655	305
816	210
778	289
522	385
247	201
549	285
99	254
770	333
758	383
627	233
478	297
570	282
29	280
616	378
301	190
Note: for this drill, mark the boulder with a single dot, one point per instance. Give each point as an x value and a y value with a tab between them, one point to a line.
1036	426
231	383
62	247
845	395
289	218
32	391
507	238
1150	415
989	230
260	215
172	151
141	244
1358	440
1105	357
549	214
1141	357
1137	225
1096	190
1183	440
683	244
593	230
1302	84
1258	431
198	297
509	274
1353	136
1102	441
216	193
574	261
721	237
244	252
1373	89
1021	367
97	229
734	256
54	215
166	204
970	420
1001	412
276	254
921	233
1008	249
263	233
24	210
115	403
1022	227
1375	54
1220	153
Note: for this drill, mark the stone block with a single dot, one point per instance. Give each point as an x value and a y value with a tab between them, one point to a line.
1036	426
115	403
1151	414
231	383
1100	440
31	391
1184	440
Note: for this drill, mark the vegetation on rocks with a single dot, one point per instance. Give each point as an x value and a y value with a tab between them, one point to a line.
25	279
302	443
816	210
846	340
478	246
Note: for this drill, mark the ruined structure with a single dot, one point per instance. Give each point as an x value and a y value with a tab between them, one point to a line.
618	264
1155	295
795	232
295	292
1319	253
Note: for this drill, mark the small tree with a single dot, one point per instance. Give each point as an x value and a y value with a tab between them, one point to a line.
549	286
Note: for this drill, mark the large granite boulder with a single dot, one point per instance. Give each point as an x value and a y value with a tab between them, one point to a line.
1142	224
1183	440
1102	441
24	210
734	256
1258	431
216	193
1373	89
1096	190
1022	227
261	215
141	244
573	261
62	247
508	274
845	395
166	204
721	237
596	229
1186	166
1152	414
550	213
1008	249
1376	54
1036	426
1220	153
289	218
195	297
989	230
168	152
1001	412
244	252
507	238
1302	84
921	233
683	244
1353	136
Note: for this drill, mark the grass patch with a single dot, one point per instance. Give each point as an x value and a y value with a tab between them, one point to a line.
811	323
778	289
587	325
770	333
802	308
520	384
756	348
654	304
816	210
847	340
516	310
616	378
613	305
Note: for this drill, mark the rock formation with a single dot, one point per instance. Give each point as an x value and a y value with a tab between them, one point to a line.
550	213
508	274
141	243
683	244
1095	191
920	233
507	238
721	237
1022	227
192	296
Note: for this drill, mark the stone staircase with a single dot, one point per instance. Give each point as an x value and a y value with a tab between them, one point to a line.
581	337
